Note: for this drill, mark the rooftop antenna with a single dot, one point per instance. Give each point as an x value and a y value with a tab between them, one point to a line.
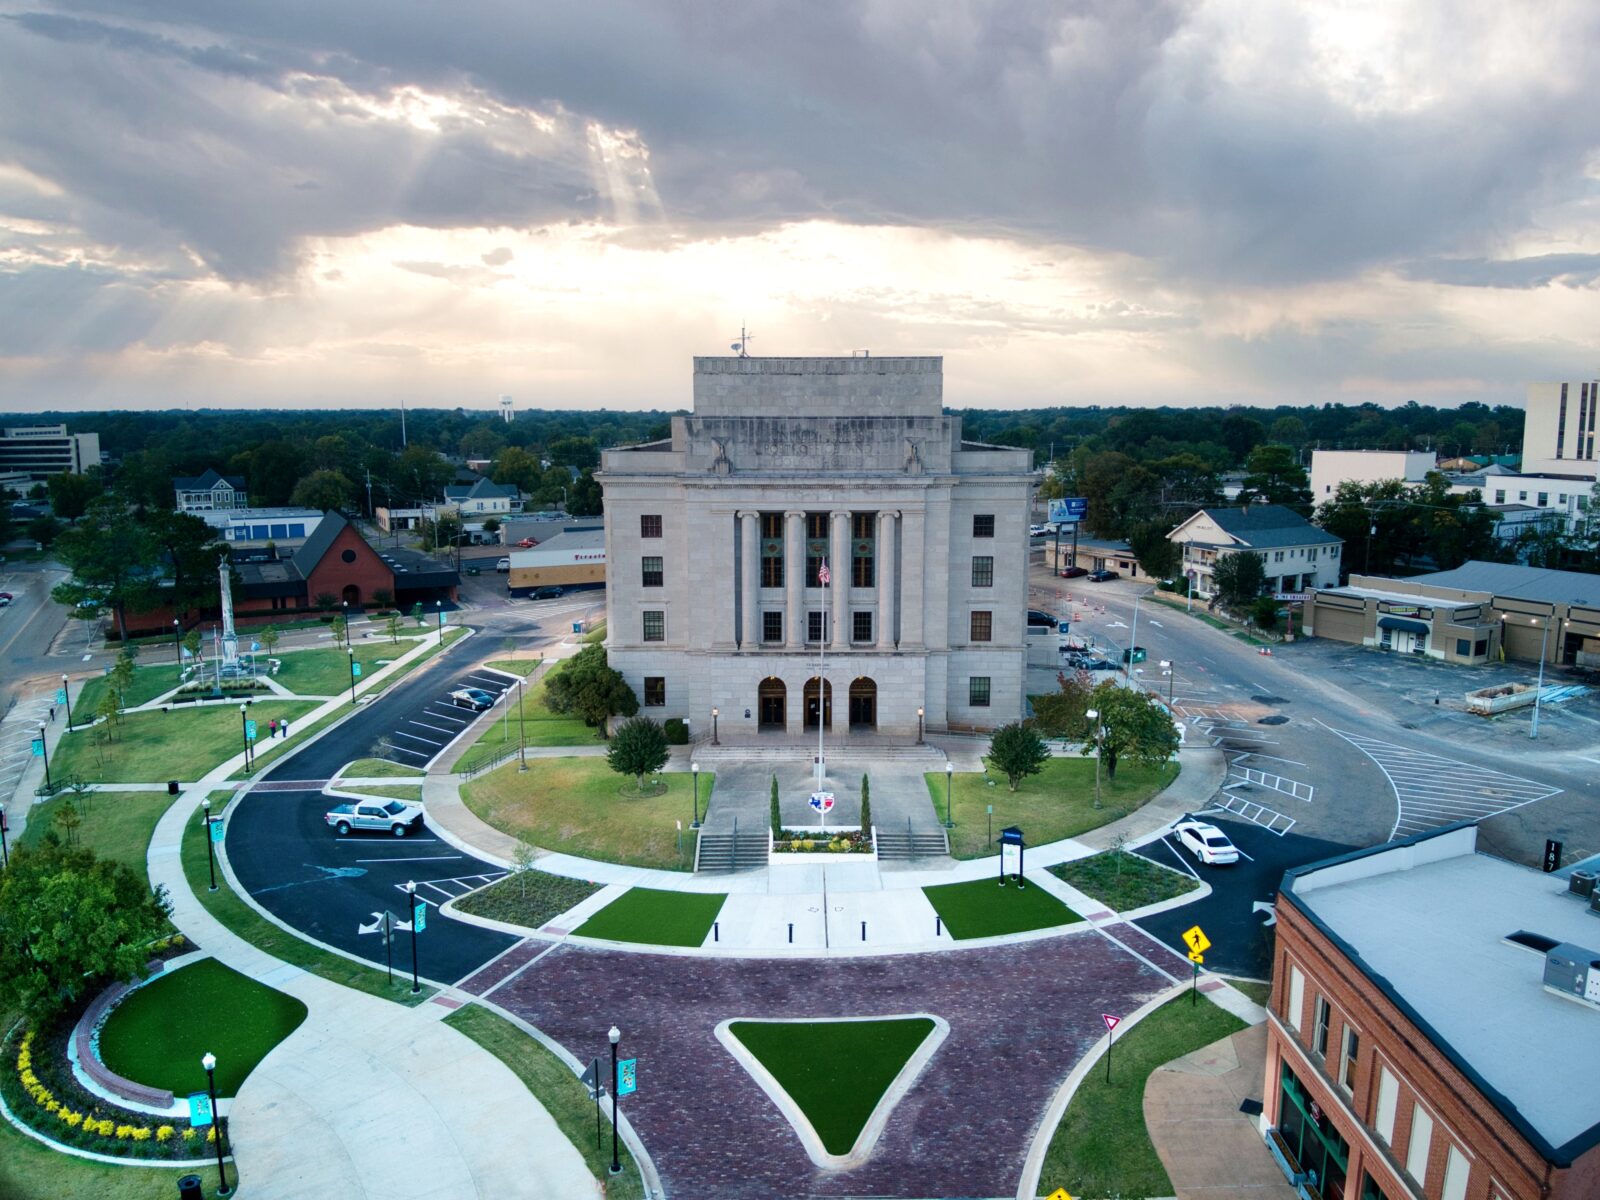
742	346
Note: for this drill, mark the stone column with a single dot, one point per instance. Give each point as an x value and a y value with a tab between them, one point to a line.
841	581
885	568
750	553
794	579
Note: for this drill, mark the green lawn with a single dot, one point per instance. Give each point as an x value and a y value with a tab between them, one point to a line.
380	768
835	1071
527	898
244	921
149	681
1101	1147
655	918
515	666
1123	882
115	825
1258	991
572	805
399	791
158	1035
982	908
1054	804
558	1089
540	727
150	747
326	672
596	633
29	1171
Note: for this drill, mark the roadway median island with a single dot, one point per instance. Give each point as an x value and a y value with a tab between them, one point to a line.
1057	803
154	746
655	918
1124	882
528	898
982	908
579	806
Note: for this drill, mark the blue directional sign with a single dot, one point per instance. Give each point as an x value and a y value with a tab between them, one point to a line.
216	829
61	695
199	1109
419	917
250	730
627	1077
254	646
355	669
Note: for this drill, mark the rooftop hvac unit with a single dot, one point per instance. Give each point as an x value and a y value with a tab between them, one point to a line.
1573	972
1582	883
1594	901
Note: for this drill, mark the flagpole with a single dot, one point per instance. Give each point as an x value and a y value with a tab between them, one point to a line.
822	668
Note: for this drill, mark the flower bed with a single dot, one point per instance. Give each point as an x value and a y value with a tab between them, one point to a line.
41	1092
822	841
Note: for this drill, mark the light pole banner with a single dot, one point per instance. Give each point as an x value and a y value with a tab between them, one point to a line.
199	1109
627	1077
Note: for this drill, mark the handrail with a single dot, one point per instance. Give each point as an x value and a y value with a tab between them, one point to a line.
494	760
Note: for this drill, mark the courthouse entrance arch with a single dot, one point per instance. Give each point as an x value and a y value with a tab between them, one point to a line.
811	706
864	704
772	706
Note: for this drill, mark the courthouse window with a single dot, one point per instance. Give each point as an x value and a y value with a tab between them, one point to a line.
650	571
861	627
814	626
982	629
983	570
772	627
772	549
978	691
650	525
983	525
655	691
863	549
655	625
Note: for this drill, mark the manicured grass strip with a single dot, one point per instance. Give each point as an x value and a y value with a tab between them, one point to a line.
1256	990
539	726
515	666
1054	804
527	898
241	919
158	1035
398	791
30	1171
982	908
115	825
558	1089
655	917
380	768
1122	881
150	747
835	1071
1101	1147
326	672
149	681
572	805
596	634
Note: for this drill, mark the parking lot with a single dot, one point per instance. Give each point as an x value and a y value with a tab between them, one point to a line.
420	729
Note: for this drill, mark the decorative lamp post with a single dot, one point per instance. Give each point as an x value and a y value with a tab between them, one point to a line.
714	741
616	1163
44	753
522	731
949	783
1094	715
695	821
5	851
177	648
351	651
919	727
66	700
438	610
244	733
1538	693
1171	673
209	1062
211	853
411	896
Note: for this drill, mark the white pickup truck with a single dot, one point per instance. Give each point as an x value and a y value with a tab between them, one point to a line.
394	816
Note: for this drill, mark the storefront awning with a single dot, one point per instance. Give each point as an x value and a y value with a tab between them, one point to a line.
1405	623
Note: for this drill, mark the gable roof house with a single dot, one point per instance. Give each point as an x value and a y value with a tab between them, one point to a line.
1296	554
210	492
483	498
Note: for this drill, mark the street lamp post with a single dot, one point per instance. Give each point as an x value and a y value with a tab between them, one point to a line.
66	700
5	851
411	896
522	731
438	609
244	734
177	648
1539	688
694	822
351	651
919	727
44	753
714	741
209	1062
1171	672
211	853
949	783
616	1163
1133	633
1094	715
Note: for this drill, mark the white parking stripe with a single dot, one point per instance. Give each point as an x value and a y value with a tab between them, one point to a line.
415	753
445	716
415	738
435	728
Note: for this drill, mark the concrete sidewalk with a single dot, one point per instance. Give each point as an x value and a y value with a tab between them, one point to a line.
369	1098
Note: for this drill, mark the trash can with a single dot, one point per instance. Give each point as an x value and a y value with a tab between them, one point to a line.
172	787
1582	883
577	627
189	1188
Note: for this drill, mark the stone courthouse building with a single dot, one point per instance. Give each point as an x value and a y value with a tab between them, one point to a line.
716	538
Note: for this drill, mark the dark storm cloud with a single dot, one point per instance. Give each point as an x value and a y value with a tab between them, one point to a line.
1103	124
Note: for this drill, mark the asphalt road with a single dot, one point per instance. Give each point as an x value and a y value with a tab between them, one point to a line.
285	855
1241	938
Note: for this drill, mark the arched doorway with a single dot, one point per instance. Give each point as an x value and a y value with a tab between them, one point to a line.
352	595
810	696
772	705
864	704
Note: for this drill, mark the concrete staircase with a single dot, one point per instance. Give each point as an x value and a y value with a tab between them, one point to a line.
776	751
899	844
728	850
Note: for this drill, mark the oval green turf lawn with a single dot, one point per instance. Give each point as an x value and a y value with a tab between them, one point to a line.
836	1071
158	1035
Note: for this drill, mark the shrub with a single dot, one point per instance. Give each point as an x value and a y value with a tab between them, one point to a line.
866	807
777	815
1265	612
677	731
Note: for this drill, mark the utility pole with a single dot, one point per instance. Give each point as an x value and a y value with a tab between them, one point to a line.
369	492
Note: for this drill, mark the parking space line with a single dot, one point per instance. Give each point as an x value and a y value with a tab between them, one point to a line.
435	728
429	858
403	750
415	738
444	716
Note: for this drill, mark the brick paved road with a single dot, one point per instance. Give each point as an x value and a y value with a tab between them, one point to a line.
1020	1017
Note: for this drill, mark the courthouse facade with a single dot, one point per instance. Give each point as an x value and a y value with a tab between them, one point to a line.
716	539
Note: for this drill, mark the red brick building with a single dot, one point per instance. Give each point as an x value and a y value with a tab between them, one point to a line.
1414	1050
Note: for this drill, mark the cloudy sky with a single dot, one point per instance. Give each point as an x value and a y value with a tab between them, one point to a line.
1074	201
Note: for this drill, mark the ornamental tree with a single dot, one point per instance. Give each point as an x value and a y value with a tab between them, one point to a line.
1131	724
588	687
1016	751
638	748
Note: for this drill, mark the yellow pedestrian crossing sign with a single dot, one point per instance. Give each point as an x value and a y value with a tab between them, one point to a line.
1060	1194
1195	938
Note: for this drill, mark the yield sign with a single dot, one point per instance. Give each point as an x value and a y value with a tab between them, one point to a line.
1111	1022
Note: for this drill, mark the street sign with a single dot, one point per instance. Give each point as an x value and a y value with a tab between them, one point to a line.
355	669
1196	957
254	646
1195	938
1552	855
627	1077
419	918
217	829
822	802
1011	836
591	1077
199	1109
1289	597
1111	1022
1060	1194
61	695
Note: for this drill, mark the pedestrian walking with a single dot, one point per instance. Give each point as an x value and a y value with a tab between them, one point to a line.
53	713
283	729
272	728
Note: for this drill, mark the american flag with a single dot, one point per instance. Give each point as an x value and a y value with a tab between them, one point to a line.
822	574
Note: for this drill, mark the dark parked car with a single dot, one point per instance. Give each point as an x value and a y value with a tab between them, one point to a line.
1040	620
549	593
1074	572
474	698
1102	575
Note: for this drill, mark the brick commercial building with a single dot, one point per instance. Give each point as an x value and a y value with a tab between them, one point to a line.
715	539
1424	1041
